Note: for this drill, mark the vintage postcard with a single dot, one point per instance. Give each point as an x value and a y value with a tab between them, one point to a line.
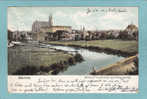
73	49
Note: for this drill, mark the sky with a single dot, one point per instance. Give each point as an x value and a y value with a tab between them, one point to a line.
92	18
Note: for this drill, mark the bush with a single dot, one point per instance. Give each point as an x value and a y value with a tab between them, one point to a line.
78	57
28	70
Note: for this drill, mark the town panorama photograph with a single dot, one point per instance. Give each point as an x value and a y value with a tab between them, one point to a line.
73	40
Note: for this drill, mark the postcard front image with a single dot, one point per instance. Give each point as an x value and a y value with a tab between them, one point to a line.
73	49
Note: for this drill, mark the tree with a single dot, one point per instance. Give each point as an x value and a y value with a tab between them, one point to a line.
10	35
23	37
103	36
135	34
123	35
110	36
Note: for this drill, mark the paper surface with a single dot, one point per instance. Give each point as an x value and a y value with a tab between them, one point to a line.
72	84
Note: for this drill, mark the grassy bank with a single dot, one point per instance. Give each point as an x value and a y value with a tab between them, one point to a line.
30	60
127	66
124	48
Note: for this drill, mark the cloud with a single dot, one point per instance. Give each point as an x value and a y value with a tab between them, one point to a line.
83	19
113	20
60	14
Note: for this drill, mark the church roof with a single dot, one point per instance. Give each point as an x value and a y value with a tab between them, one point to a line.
42	23
61	26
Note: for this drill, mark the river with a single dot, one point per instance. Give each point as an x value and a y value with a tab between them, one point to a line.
91	59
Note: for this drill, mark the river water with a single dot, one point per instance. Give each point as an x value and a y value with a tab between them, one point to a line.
91	59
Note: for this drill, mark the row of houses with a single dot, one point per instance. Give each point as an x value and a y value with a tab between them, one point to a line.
129	33
19	35
54	33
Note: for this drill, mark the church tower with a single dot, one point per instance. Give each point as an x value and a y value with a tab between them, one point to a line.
50	21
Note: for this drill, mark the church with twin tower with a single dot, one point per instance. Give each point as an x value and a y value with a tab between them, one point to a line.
47	26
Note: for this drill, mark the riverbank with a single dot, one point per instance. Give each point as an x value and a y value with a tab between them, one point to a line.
127	66
35	60
116	47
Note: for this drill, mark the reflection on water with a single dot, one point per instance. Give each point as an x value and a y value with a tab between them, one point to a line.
29	55
92	59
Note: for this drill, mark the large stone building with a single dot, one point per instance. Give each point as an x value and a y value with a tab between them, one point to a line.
131	29
41	28
37	25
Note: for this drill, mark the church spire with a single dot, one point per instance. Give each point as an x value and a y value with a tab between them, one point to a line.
50	20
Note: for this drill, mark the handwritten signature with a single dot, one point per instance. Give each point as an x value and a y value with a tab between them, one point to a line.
93	10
